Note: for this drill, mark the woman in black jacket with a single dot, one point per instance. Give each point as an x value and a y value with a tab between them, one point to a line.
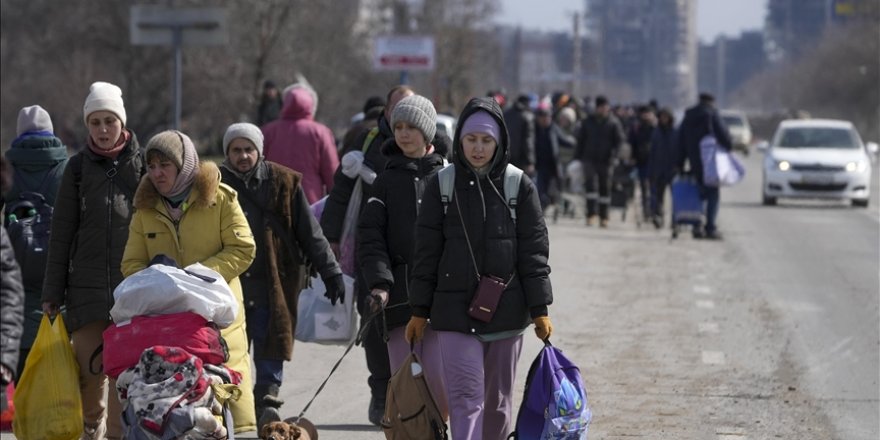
471	237
387	225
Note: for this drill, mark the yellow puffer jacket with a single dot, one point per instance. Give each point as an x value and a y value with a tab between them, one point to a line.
212	231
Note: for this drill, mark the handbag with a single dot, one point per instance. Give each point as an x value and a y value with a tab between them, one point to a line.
489	287
318	320
47	398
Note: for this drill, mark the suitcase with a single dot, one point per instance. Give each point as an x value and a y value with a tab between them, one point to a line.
687	206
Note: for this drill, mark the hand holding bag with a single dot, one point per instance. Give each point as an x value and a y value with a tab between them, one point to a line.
47	398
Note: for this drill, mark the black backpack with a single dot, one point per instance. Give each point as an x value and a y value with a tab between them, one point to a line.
29	219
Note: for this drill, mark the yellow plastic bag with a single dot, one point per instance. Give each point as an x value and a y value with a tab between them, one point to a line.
47	399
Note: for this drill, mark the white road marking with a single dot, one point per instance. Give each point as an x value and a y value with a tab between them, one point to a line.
730	433
706	304
703	290
713	358
708	327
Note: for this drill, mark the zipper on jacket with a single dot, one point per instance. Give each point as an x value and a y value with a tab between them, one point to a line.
111	173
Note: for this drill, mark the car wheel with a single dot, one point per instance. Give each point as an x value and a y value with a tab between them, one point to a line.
860	203
770	201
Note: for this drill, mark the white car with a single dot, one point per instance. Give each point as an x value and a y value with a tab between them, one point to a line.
740	131
817	158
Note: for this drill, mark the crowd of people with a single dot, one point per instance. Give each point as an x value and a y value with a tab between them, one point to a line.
423	252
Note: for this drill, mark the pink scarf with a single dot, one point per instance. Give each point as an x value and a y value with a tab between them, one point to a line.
112	153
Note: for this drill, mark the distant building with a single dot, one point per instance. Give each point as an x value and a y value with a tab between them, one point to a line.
728	63
646	46
793	25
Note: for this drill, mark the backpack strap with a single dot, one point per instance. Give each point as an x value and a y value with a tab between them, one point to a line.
371	135
446	177
512	178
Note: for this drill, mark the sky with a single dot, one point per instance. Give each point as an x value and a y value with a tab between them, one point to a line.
714	17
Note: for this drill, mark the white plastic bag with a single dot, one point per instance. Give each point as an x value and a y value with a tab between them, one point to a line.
348	239
730	170
320	321
161	290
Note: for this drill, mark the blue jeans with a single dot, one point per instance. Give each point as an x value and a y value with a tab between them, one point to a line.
712	197
269	371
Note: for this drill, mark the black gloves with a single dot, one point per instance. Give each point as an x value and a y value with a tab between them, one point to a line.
335	289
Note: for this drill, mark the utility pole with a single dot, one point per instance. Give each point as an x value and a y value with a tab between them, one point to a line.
576	55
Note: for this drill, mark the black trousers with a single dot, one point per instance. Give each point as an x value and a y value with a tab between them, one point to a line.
597	180
376	352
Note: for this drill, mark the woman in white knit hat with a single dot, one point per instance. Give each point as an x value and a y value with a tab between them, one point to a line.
93	208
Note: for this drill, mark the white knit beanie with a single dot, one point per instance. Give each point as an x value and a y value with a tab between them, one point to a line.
243	130
418	111
104	96
33	119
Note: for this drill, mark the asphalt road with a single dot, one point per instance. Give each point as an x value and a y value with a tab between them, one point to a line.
773	332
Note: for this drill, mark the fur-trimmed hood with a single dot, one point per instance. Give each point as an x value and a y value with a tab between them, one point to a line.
204	188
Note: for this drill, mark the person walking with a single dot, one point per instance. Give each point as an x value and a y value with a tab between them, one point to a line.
521	123
699	121
662	162
550	140
12	299
600	138
470	239
640	135
185	213
332	219
285	231
302	144
386	228
270	104
93	209
38	159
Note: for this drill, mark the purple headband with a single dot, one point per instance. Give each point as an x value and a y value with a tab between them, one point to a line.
482	122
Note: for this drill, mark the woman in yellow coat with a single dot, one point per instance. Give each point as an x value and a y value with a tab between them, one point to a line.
184	212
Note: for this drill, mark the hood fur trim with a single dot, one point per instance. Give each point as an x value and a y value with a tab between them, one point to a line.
204	188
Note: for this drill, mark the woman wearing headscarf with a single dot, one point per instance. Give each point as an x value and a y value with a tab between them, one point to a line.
187	214
93	208
459	243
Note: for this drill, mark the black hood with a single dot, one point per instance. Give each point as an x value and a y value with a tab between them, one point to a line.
502	153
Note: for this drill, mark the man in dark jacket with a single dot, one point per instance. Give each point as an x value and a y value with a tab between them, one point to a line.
600	139
287	235
332	220
270	104
698	122
521	125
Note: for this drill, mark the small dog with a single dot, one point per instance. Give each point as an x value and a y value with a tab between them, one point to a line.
289	430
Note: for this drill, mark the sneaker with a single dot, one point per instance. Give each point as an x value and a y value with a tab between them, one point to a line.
603	223
94	432
658	222
376	411
591	220
697	234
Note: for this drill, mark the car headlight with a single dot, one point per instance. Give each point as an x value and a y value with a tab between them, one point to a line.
783	165
859	166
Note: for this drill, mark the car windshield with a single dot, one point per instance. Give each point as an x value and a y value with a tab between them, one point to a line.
732	121
817	137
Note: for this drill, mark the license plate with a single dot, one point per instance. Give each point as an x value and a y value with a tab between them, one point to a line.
817	178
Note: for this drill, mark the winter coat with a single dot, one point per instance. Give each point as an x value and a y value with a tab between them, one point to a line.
664	153
212	231
444	280
39	163
599	140
557	140
336	204
89	233
11	305
521	129
279	273
386	228
300	143
695	125
640	140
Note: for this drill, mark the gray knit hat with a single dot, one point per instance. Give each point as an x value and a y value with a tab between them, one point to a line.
243	130
418	111
175	145
33	118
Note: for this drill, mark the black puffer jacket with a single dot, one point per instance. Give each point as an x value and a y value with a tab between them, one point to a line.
600	139
386	228
443	277
89	233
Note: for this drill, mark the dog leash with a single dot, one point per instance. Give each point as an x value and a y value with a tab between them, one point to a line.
357	341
